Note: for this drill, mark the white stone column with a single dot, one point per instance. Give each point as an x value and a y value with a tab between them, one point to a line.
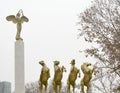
19	67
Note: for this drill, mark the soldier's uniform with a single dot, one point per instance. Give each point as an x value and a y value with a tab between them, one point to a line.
44	76
72	76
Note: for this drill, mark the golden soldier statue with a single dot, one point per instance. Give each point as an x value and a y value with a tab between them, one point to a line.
44	76
74	71
87	76
58	74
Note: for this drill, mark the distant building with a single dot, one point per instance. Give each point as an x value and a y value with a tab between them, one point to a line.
5	87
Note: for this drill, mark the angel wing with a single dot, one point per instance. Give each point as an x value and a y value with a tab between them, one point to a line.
24	19
11	18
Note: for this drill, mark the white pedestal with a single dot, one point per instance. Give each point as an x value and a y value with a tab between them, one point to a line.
19	67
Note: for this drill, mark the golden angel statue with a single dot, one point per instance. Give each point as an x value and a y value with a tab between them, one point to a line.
18	19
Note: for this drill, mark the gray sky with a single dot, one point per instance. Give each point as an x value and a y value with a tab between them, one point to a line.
50	34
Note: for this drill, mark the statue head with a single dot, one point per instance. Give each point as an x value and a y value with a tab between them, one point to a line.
18	14
72	62
86	64
41	63
56	62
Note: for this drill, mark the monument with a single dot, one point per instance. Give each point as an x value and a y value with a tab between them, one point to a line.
44	76
58	75
87	77
19	51
74	72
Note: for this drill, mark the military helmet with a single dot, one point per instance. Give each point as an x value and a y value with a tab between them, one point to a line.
41	62
72	62
56	62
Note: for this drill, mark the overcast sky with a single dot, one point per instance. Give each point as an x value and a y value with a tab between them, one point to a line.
50	34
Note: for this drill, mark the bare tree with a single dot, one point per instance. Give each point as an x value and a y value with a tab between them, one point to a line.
32	87
100	25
